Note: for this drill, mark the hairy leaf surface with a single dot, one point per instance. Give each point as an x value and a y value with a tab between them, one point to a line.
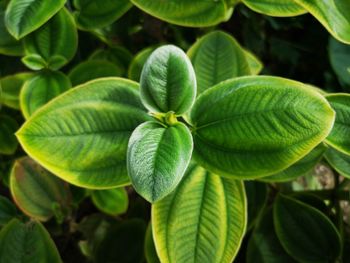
157	158
82	135
203	220
268	124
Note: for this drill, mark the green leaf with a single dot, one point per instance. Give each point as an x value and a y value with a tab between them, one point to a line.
282	8
8	141
150	249
339	56
334	15
203	220
34	62
255	65
168	81
300	168
24	16
40	89
10	89
29	243
263	245
138	62
7	211
339	136
111	56
82	135
36	191
8	44
93	69
157	158
92	14
339	161
111	201
257	198
270	122
55	42
123	243
217	57
307	235
194	13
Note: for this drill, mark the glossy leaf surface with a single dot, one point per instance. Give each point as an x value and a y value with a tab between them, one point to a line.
195	13
55	42
82	135
93	69
203	220
168	81
268	121
92	14
300	168
339	136
339	161
308	235
11	87
157	158
111	201
37	192
25	16
282	8
29	243
8	141
264	246
40	89
334	15
217	57
8	44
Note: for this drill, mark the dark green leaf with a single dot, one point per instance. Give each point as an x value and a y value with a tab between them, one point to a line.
339	161
150	249
8	141
111	201
305	232
7	211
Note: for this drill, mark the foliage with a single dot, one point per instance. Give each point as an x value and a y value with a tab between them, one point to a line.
208	121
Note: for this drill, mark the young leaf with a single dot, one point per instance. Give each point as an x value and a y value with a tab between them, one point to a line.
150	249
168	81
24	16
217	57
138	62
339	136
157	158
8	44
339	56
194	13
36	192
111	201
7	211
300	168
268	121
305	232
8	141
202	221
29	243
339	161
63	43
82	135
92	14
11	87
334	15
264	246
123	243
34	62
93	69
282	8
40	89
